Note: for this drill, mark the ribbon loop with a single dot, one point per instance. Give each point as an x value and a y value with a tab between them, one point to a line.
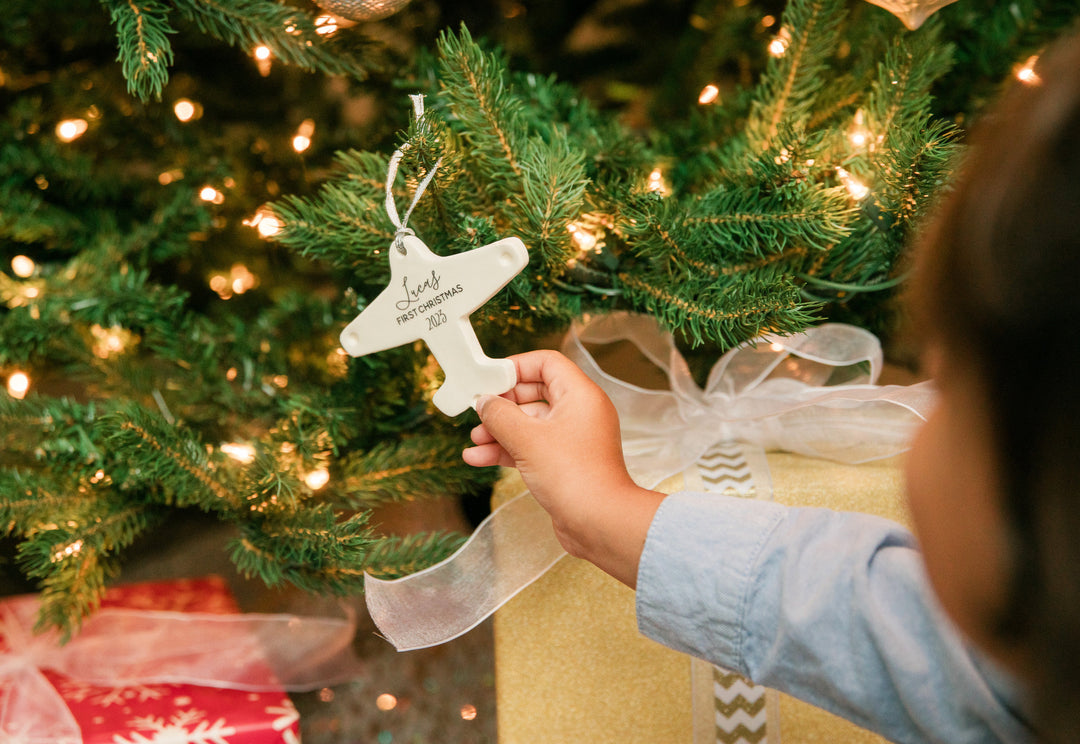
813	393
401	224
117	646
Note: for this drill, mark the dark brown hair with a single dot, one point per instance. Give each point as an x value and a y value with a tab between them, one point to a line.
997	286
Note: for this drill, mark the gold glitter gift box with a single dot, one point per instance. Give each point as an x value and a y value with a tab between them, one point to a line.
570	665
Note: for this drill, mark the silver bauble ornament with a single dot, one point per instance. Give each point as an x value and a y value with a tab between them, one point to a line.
362	10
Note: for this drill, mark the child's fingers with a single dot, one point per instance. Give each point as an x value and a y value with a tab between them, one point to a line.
487	455
538	409
480	435
541	374
527	392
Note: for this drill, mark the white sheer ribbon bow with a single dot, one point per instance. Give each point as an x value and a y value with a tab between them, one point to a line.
813	393
120	647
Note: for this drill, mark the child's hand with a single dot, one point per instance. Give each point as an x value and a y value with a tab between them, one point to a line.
560	430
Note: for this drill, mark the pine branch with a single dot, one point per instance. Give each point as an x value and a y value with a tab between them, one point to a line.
916	169
167	463
27	501
145	54
791	81
721	312
553	187
418	467
487	114
55	432
289	33
307	548
26	217
77	551
394	557
346	221
899	97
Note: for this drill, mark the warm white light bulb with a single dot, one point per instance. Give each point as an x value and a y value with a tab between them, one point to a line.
708	94
325	25
212	195
1026	74
238	451
23	266
301	143
262	52
186	110
71	129
779	45
18	385
316	479
266	222
855	187
655	182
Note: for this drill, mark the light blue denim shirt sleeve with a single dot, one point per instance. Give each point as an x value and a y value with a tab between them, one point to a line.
830	607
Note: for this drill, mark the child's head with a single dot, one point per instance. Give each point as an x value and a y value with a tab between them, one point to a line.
994	479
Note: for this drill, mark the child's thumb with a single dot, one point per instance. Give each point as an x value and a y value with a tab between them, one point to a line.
500	416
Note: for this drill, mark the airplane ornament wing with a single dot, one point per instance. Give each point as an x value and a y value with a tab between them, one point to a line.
430	297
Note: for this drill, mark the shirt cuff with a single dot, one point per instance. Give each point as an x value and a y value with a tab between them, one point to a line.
696	572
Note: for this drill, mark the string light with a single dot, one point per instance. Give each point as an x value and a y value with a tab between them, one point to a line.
67	551
1026	74
859	135
855	187
242	453
167	177
266	222
386	701
23	266
262	56
583	239
325	25
779	45
709	94
656	183
316	479
302	140
109	341
71	129
210	194
18	384
237	281
187	110
468	712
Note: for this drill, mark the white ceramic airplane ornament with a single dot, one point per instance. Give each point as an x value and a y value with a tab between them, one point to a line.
430	297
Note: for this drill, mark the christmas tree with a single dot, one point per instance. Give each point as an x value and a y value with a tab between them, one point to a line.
192	207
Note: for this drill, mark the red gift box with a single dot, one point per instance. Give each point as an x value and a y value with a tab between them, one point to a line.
134	712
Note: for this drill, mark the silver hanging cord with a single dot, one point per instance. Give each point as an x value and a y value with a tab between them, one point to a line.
400	225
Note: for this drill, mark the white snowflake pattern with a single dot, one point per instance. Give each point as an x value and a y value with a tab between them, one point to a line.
286	714
185	727
104	697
